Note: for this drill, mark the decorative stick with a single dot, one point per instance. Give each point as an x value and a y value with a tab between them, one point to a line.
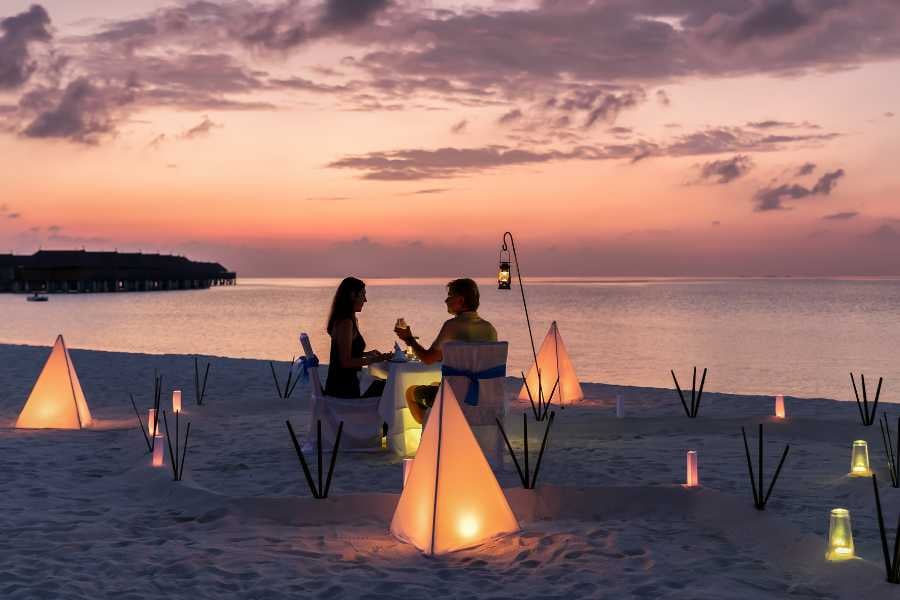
275	377
187	434
512	453
680	395
858	403
693	389
750	467
862	379
169	442
141	423
306	472
760	470
530	397
334	453
875	404
537	465
287	384
777	472
699	394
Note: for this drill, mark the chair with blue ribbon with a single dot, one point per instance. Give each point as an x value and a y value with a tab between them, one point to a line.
476	371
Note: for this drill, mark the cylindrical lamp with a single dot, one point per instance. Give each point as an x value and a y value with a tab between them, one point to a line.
840	535
158	451
151	422
407	468
176	401
693	475
859	460
779	406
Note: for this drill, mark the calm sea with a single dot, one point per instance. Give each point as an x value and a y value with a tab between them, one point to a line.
799	337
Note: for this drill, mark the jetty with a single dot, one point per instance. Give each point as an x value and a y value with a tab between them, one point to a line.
80	271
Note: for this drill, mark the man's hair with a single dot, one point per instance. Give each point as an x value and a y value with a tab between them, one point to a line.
466	288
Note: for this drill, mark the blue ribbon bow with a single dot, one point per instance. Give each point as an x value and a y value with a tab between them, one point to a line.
305	364
474	377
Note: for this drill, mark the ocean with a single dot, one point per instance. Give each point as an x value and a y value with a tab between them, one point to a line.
798	337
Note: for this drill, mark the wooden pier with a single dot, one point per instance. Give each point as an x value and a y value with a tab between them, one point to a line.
80	271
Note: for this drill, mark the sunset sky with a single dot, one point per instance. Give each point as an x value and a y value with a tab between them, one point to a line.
402	137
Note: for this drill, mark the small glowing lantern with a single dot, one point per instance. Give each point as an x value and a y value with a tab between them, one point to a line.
779	406
158	451
407	467
859	460
504	277
840	535
151	422
693	475
176	401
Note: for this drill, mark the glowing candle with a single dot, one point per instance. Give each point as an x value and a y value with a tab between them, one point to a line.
158	451
859	460
620	406
779	406
151	422
407	467
693	476
468	526
176	401
840	535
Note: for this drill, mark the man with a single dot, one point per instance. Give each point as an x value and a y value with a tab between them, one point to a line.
465	326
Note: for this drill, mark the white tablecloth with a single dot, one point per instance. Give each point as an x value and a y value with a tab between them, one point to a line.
403	431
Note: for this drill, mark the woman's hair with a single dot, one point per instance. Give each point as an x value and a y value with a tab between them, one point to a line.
342	305
466	288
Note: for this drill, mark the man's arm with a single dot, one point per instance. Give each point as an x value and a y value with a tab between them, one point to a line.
434	353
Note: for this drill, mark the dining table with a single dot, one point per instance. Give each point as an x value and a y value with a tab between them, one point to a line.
404	431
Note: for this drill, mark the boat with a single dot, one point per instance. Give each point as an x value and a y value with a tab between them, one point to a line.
37	298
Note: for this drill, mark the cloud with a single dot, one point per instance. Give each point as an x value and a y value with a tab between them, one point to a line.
510	117
841	216
429	191
54	228
82	112
663	98
773	198
18	33
725	171
460	127
889	115
202	129
13	215
347	14
806	169
883	234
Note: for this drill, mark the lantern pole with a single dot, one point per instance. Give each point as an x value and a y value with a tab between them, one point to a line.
505	248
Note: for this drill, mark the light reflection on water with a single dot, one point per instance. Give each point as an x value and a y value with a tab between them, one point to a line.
793	336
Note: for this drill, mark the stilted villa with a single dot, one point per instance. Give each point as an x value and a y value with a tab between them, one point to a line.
63	271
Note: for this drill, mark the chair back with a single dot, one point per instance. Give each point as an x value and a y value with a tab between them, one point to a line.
478	358
314	378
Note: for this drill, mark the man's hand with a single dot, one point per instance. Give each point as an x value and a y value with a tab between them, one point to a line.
404	334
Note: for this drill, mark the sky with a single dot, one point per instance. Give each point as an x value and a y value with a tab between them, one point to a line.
399	138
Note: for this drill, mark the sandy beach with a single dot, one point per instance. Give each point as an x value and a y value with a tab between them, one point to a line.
85	516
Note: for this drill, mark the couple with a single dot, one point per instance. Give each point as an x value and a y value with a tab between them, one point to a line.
348	348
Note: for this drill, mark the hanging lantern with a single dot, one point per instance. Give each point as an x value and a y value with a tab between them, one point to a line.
840	535
176	401
779	406
859	460
504	277
693	475
158	451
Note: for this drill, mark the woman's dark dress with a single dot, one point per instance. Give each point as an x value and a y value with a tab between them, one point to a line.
344	382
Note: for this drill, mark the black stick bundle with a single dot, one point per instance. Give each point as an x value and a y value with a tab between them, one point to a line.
157	395
319	491
200	387
760	495
528	480
176	461
868	417
891	565
694	409
288	388
542	407
891	451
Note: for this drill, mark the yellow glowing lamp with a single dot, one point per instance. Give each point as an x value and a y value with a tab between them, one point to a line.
840	536
504	277
859	460
779	406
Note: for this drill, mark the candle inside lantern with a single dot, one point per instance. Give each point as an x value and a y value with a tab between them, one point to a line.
693	476
407	468
620	406
840	535
158	451
504	276
859	460
151	422
779	406
176	401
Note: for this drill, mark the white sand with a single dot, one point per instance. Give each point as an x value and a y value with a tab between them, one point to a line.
82	514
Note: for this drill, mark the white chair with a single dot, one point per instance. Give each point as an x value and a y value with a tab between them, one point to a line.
362	423
484	363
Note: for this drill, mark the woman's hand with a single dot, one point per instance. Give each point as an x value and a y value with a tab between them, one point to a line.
404	333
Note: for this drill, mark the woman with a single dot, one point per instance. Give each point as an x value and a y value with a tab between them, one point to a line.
348	353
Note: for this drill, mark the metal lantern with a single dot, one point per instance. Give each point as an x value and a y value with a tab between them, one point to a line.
504	277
